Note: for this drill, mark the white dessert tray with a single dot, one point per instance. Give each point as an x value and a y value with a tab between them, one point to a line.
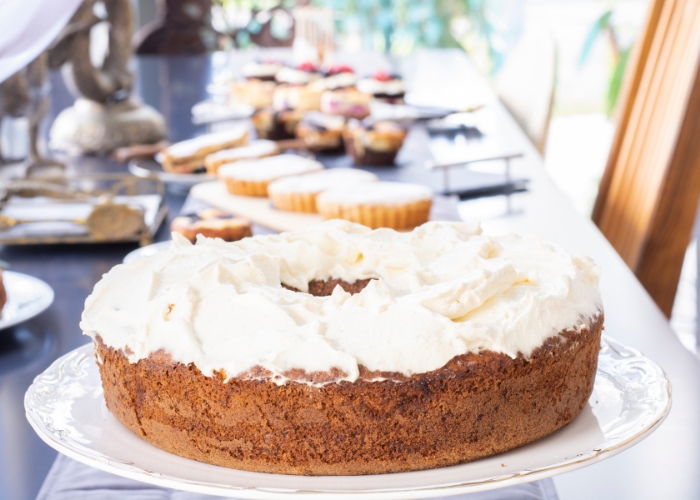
631	398
27	297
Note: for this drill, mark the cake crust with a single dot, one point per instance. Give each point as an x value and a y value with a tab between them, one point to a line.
475	406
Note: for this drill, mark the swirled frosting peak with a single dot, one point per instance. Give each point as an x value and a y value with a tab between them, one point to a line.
443	290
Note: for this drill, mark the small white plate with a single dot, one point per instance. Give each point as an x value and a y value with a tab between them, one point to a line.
631	398
27	297
150	169
147	251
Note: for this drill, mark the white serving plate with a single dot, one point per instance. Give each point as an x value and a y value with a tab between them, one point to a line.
66	408
27	297
150	169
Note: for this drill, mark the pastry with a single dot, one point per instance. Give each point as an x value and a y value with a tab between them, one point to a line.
251	177
384	86
212	224
345	351
188	156
321	131
396	205
374	144
298	193
261	70
346	102
276	125
256	149
256	93
300	75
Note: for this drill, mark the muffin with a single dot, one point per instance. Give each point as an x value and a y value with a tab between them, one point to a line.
251	177
298	193
375	144
256	149
346	102
256	93
321	131
395	205
383	86
212	224
276	125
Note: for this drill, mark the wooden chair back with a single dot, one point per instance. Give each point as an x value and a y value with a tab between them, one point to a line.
649	193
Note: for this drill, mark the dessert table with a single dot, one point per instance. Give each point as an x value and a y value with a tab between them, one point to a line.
663	466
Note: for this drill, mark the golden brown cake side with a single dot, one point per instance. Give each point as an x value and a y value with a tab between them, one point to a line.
475	406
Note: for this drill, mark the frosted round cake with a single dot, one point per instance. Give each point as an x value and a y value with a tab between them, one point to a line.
341	350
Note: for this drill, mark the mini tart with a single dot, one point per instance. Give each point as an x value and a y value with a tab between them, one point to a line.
256	149
321	131
251	177
346	102
188	156
394	205
212	224
256	93
376	144
276	125
298	193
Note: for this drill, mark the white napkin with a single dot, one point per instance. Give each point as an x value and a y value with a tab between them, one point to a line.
71	480
27	28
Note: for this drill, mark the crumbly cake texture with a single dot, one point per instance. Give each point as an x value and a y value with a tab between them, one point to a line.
475	406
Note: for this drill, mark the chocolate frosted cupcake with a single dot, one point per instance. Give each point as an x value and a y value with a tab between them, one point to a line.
375	144
321	131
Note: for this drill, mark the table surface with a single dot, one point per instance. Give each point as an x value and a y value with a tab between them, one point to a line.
663	466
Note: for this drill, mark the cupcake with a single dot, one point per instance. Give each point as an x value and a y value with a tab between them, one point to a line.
383	86
251	177
375	144
394	205
346	102
256	149
297	97
262	70
256	93
321	131
276	125
298	193
301	75
338	77
212	224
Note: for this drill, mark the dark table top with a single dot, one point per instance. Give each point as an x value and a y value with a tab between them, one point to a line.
664	465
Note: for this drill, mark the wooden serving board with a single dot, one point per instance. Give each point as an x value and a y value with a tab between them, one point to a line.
256	209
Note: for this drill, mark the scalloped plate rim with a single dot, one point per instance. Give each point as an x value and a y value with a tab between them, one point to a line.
95	459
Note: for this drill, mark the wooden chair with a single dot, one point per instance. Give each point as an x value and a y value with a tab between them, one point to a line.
649	193
526	82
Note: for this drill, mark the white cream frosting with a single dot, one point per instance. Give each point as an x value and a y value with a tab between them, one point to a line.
271	167
192	147
443	290
373	86
255	149
255	69
296	76
320	181
377	193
